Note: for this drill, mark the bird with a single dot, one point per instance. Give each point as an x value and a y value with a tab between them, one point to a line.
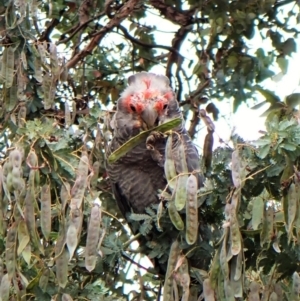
138	176
148	101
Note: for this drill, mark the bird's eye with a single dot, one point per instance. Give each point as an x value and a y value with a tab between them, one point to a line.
132	107
165	106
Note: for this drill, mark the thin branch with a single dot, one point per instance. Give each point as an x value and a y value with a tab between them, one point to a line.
122	14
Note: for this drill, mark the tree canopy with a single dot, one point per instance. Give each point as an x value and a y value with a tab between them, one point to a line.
63	67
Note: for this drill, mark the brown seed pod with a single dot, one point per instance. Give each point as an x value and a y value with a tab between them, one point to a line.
65	195
175	216
61	258
208	149
235	235
66	297
10	251
71	239
4	288
208	292
180	158
191	210
168	285
15	158
93	234
46	211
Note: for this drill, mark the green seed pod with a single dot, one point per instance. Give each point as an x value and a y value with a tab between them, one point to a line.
10	251
1	270
223	255
93	234
273	297
169	165
267	232
181	192
22	116
4	288
7	168
293	199
168	285
61	258
44	280
191	210
46	211
23	237
208	292
175	216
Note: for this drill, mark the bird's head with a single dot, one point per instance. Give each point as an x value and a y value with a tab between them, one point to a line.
149	99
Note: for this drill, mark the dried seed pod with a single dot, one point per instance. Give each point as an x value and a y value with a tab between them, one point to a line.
66	297
10	251
191	210
77	192
62	268
93	234
10	63
65	195
71	239
32	159
208	292
296	283
23	237
254	291
44	280
169	165
175	216
4	288
15	158
1	270
208	149
95	176
237	169
29	204
223	255
61	258
181	192
267	232
273	297
168	285
235	235
293	198
180	162
46	211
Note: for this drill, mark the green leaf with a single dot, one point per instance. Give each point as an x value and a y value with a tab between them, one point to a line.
269	95
283	64
263	151
293	100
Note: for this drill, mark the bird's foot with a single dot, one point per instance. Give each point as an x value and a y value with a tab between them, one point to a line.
155	138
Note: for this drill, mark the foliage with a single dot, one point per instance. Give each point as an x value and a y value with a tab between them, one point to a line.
63	66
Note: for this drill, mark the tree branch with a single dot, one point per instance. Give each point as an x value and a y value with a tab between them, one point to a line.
121	14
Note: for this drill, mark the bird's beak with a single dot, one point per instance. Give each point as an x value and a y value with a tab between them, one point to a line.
150	117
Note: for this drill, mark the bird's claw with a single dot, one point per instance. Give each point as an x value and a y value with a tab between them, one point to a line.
153	138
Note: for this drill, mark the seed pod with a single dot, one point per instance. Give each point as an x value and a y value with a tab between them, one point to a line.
273	297
66	297
23	237
175	216
61	258
46	211
71	239
254	292
22	116
267	232
180	158
215	270
65	195
15	158
95	176
10	62
208	149
208	292
29	215
237	266
77	192
236	169
223	255
32	159
191	210
181	192
168	285
169	165
10	251
44	280
293	198
4	288
235	235
92	239
1	270
296	283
